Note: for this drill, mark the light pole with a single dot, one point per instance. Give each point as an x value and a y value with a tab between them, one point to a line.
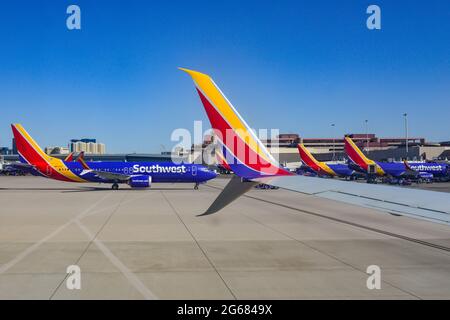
406	133
367	134
334	142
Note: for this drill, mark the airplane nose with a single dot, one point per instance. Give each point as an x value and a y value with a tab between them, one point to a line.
212	174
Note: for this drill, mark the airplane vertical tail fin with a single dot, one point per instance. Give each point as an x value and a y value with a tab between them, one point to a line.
355	154
27	148
309	160
306	157
46	165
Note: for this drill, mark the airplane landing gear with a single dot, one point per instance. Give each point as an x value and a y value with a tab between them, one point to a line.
196	186
115	186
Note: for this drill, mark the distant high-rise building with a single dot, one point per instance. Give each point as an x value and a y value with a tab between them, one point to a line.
101	148
91	147
87	145
78	146
14	146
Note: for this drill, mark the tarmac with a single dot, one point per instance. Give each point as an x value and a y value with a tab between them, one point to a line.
149	244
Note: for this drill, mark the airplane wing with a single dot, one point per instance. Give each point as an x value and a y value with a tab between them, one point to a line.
252	163
110	176
106	175
428	205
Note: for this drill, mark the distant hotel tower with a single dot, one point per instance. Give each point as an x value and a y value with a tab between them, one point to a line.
87	145
14	147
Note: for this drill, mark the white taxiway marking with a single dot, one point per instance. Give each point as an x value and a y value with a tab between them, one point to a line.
132	278
36	245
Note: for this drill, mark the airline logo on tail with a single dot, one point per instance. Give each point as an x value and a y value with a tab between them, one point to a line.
48	166
309	160
356	156
242	150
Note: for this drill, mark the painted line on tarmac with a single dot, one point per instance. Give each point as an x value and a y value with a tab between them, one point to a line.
131	277
5	267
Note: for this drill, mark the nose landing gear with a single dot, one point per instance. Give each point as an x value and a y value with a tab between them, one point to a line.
196	186
115	186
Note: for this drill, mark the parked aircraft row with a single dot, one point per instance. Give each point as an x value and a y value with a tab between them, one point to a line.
252	163
360	165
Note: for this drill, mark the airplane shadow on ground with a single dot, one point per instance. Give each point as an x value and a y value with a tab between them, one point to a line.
89	189
127	190
35	189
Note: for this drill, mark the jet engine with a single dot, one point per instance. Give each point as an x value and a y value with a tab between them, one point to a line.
140	181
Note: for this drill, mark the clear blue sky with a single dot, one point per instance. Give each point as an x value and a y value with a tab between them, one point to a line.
294	65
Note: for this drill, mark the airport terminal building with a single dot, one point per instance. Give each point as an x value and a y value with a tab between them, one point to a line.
284	146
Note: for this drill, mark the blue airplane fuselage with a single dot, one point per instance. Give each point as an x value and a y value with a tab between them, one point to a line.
397	169
341	169
159	171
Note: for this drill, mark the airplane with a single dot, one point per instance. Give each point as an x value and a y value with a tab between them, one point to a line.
326	168
415	170
135	174
13	168
253	164
16	168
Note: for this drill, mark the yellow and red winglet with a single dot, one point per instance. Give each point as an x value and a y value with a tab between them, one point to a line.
242	149
69	157
80	159
221	159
